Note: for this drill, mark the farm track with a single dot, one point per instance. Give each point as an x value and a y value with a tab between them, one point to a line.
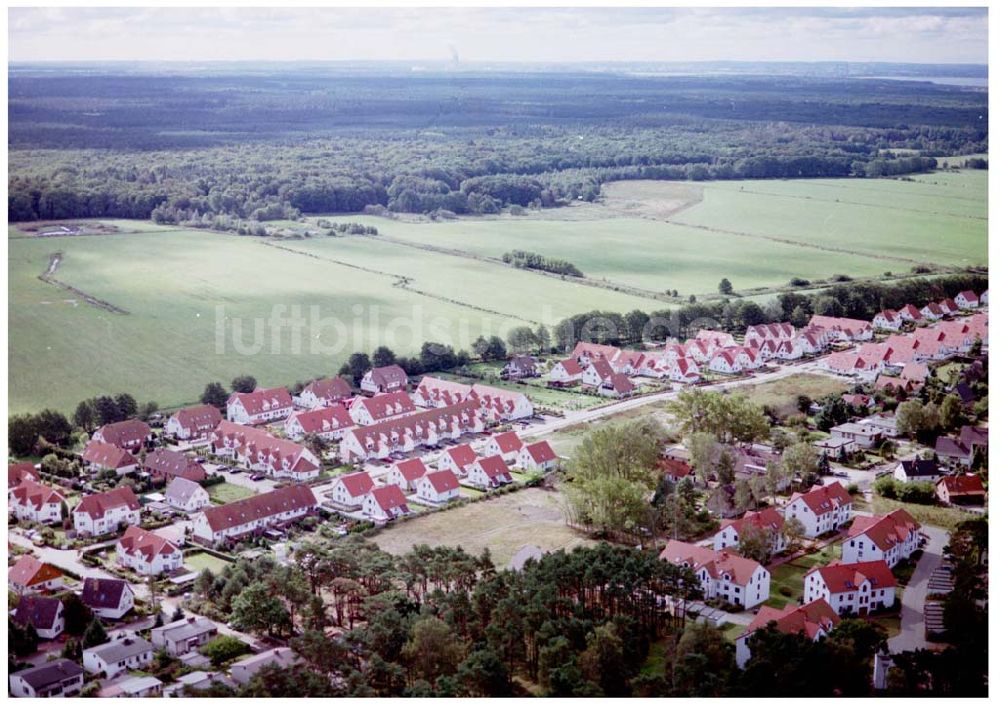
800	244
48	277
585	281
806	197
403	282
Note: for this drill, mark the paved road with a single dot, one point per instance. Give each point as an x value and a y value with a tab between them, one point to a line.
911	635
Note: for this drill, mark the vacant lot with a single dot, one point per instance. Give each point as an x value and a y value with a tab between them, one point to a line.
503	524
782	395
941	516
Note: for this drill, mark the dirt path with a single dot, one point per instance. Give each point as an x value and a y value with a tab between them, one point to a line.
49	277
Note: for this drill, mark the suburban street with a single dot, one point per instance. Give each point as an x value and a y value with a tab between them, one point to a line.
911	635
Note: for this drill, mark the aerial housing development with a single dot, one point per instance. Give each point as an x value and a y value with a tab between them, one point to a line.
458	353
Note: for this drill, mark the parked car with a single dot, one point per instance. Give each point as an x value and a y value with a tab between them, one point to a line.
257	476
200	460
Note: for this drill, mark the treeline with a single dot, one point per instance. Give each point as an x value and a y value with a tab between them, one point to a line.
857	300
264	150
536	261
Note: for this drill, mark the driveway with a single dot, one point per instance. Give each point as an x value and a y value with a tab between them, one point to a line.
911	635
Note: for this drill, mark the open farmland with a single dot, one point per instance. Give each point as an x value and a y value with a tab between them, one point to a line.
503	524
758	233
141	314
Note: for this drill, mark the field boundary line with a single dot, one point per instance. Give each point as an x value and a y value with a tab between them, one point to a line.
403	282
47	277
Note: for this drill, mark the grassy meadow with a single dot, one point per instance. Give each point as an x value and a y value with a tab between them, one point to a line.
393	290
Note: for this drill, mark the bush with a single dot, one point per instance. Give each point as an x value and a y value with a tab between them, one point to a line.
222	649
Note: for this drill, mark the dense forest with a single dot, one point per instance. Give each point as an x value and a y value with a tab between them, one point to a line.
272	144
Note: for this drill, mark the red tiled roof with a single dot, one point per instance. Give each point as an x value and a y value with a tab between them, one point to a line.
462	455
594	351
198	419
28	571
324	420
839	323
412	469
297	497
541	452
509	441
260	444
441	419
675	469
123	433
139	542
571	366
389	376
621	383
20	471
386	405
809	618
443	481
357	484
963	484
848	577
884	531
494	467
263	399
389	497
332	389
716	563
97	505
821	500
768	519
449	392
170	463
35	495
107	455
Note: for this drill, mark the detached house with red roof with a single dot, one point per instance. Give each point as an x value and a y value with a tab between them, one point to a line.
618	386
193	423
128	435
489	473
260	451
383	406
322	393
325	423
350	490
438	487
147	553
407	473
100	456
821	509
932	311
892	538
29	576
967	300
961	489
254	514
36	502
458	459
597	372
737	580
508	445
537	456
565	373
260	406
910	313
888	319
768	522
852	588
104	512
385	503
19	472
815	620
385	379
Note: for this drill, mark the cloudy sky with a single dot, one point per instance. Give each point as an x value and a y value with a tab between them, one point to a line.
926	35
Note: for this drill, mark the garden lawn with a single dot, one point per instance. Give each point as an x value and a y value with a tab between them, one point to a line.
789	576
199	561
226	492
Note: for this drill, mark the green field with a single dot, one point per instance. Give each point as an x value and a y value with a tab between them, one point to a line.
199	561
789	576
185	291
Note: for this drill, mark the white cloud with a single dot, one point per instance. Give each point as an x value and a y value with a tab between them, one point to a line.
499	34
